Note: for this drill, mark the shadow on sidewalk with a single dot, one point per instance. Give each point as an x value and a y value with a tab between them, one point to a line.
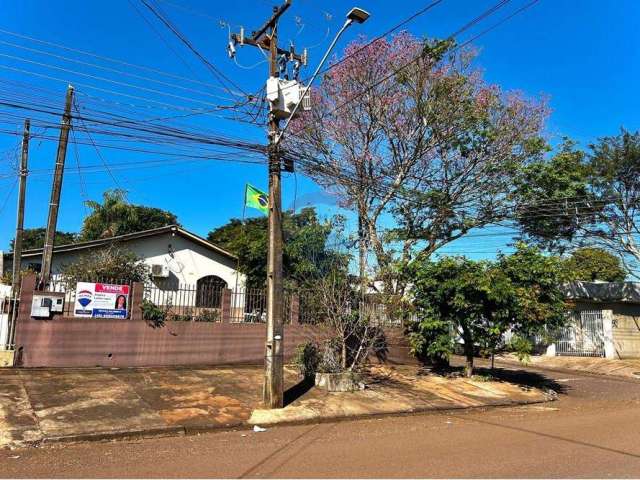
525	378
298	390
519	376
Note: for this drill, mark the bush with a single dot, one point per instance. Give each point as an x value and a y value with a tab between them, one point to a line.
208	316
331	356
306	359
152	313
110	264
522	347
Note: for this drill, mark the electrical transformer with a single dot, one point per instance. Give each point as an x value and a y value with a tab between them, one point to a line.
283	96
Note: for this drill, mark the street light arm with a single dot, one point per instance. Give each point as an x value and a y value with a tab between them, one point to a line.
346	25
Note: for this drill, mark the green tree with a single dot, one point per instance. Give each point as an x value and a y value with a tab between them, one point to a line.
34	238
481	300
107	264
615	164
593	198
306	254
553	198
115	216
590	264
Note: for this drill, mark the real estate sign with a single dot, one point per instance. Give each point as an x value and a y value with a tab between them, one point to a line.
101	300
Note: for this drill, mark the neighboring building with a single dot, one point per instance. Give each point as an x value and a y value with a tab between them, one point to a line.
605	320
174	255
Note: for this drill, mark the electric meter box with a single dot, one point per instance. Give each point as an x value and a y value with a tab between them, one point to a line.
44	305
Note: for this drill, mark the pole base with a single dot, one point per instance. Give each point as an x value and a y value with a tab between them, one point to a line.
273	388
6	358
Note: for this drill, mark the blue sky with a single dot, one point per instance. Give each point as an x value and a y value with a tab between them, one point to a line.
583	55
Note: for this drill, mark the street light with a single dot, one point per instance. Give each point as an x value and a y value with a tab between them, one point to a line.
355	15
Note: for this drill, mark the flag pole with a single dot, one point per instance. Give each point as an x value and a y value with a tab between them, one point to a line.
244	210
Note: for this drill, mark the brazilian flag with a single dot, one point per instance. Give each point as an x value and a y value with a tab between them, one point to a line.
254	198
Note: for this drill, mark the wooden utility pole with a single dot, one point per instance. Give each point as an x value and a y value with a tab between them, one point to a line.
273	390
56	190
17	242
266	38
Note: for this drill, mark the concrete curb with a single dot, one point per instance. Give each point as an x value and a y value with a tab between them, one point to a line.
184	430
404	413
167	431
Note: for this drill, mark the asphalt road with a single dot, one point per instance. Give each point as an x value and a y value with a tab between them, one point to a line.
593	430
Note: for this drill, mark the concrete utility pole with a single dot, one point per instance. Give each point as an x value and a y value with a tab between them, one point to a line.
266	38
56	190
17	243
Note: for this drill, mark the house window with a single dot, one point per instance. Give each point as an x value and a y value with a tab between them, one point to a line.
209	291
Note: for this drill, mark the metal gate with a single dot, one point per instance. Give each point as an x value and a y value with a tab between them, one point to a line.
583	336
8	317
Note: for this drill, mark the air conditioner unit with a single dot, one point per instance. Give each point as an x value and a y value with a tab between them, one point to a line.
160	271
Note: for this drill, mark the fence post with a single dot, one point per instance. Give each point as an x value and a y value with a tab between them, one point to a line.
27	287
607	333
137	294
294	310
225	305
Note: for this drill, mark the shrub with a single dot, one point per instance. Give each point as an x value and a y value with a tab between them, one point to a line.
306	359
153	314
109	264
331	356
208	316
522	347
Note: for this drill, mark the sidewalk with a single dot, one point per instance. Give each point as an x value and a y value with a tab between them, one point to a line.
53	405
629	368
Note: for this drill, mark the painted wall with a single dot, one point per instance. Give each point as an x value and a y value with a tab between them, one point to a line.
624	321
187	261
77	342
626	330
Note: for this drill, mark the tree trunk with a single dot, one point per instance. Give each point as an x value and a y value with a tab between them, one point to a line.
468	366
468	353
362	246
344	354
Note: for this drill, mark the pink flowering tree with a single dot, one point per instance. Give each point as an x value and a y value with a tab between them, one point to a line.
410	136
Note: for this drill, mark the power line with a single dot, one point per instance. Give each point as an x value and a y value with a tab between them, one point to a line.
108	80
115	181
83	187
217	73
376	39
9	193
113	70
161	37
161	131
394	72
109	59
92	87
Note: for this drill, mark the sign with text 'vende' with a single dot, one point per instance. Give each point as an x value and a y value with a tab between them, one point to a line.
101	300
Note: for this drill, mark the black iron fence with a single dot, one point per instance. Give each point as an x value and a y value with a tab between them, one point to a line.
165	300
176	301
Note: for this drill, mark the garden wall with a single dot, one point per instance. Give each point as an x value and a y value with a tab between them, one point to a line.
67	341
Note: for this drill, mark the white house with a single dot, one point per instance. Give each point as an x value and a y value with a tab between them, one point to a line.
174	255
